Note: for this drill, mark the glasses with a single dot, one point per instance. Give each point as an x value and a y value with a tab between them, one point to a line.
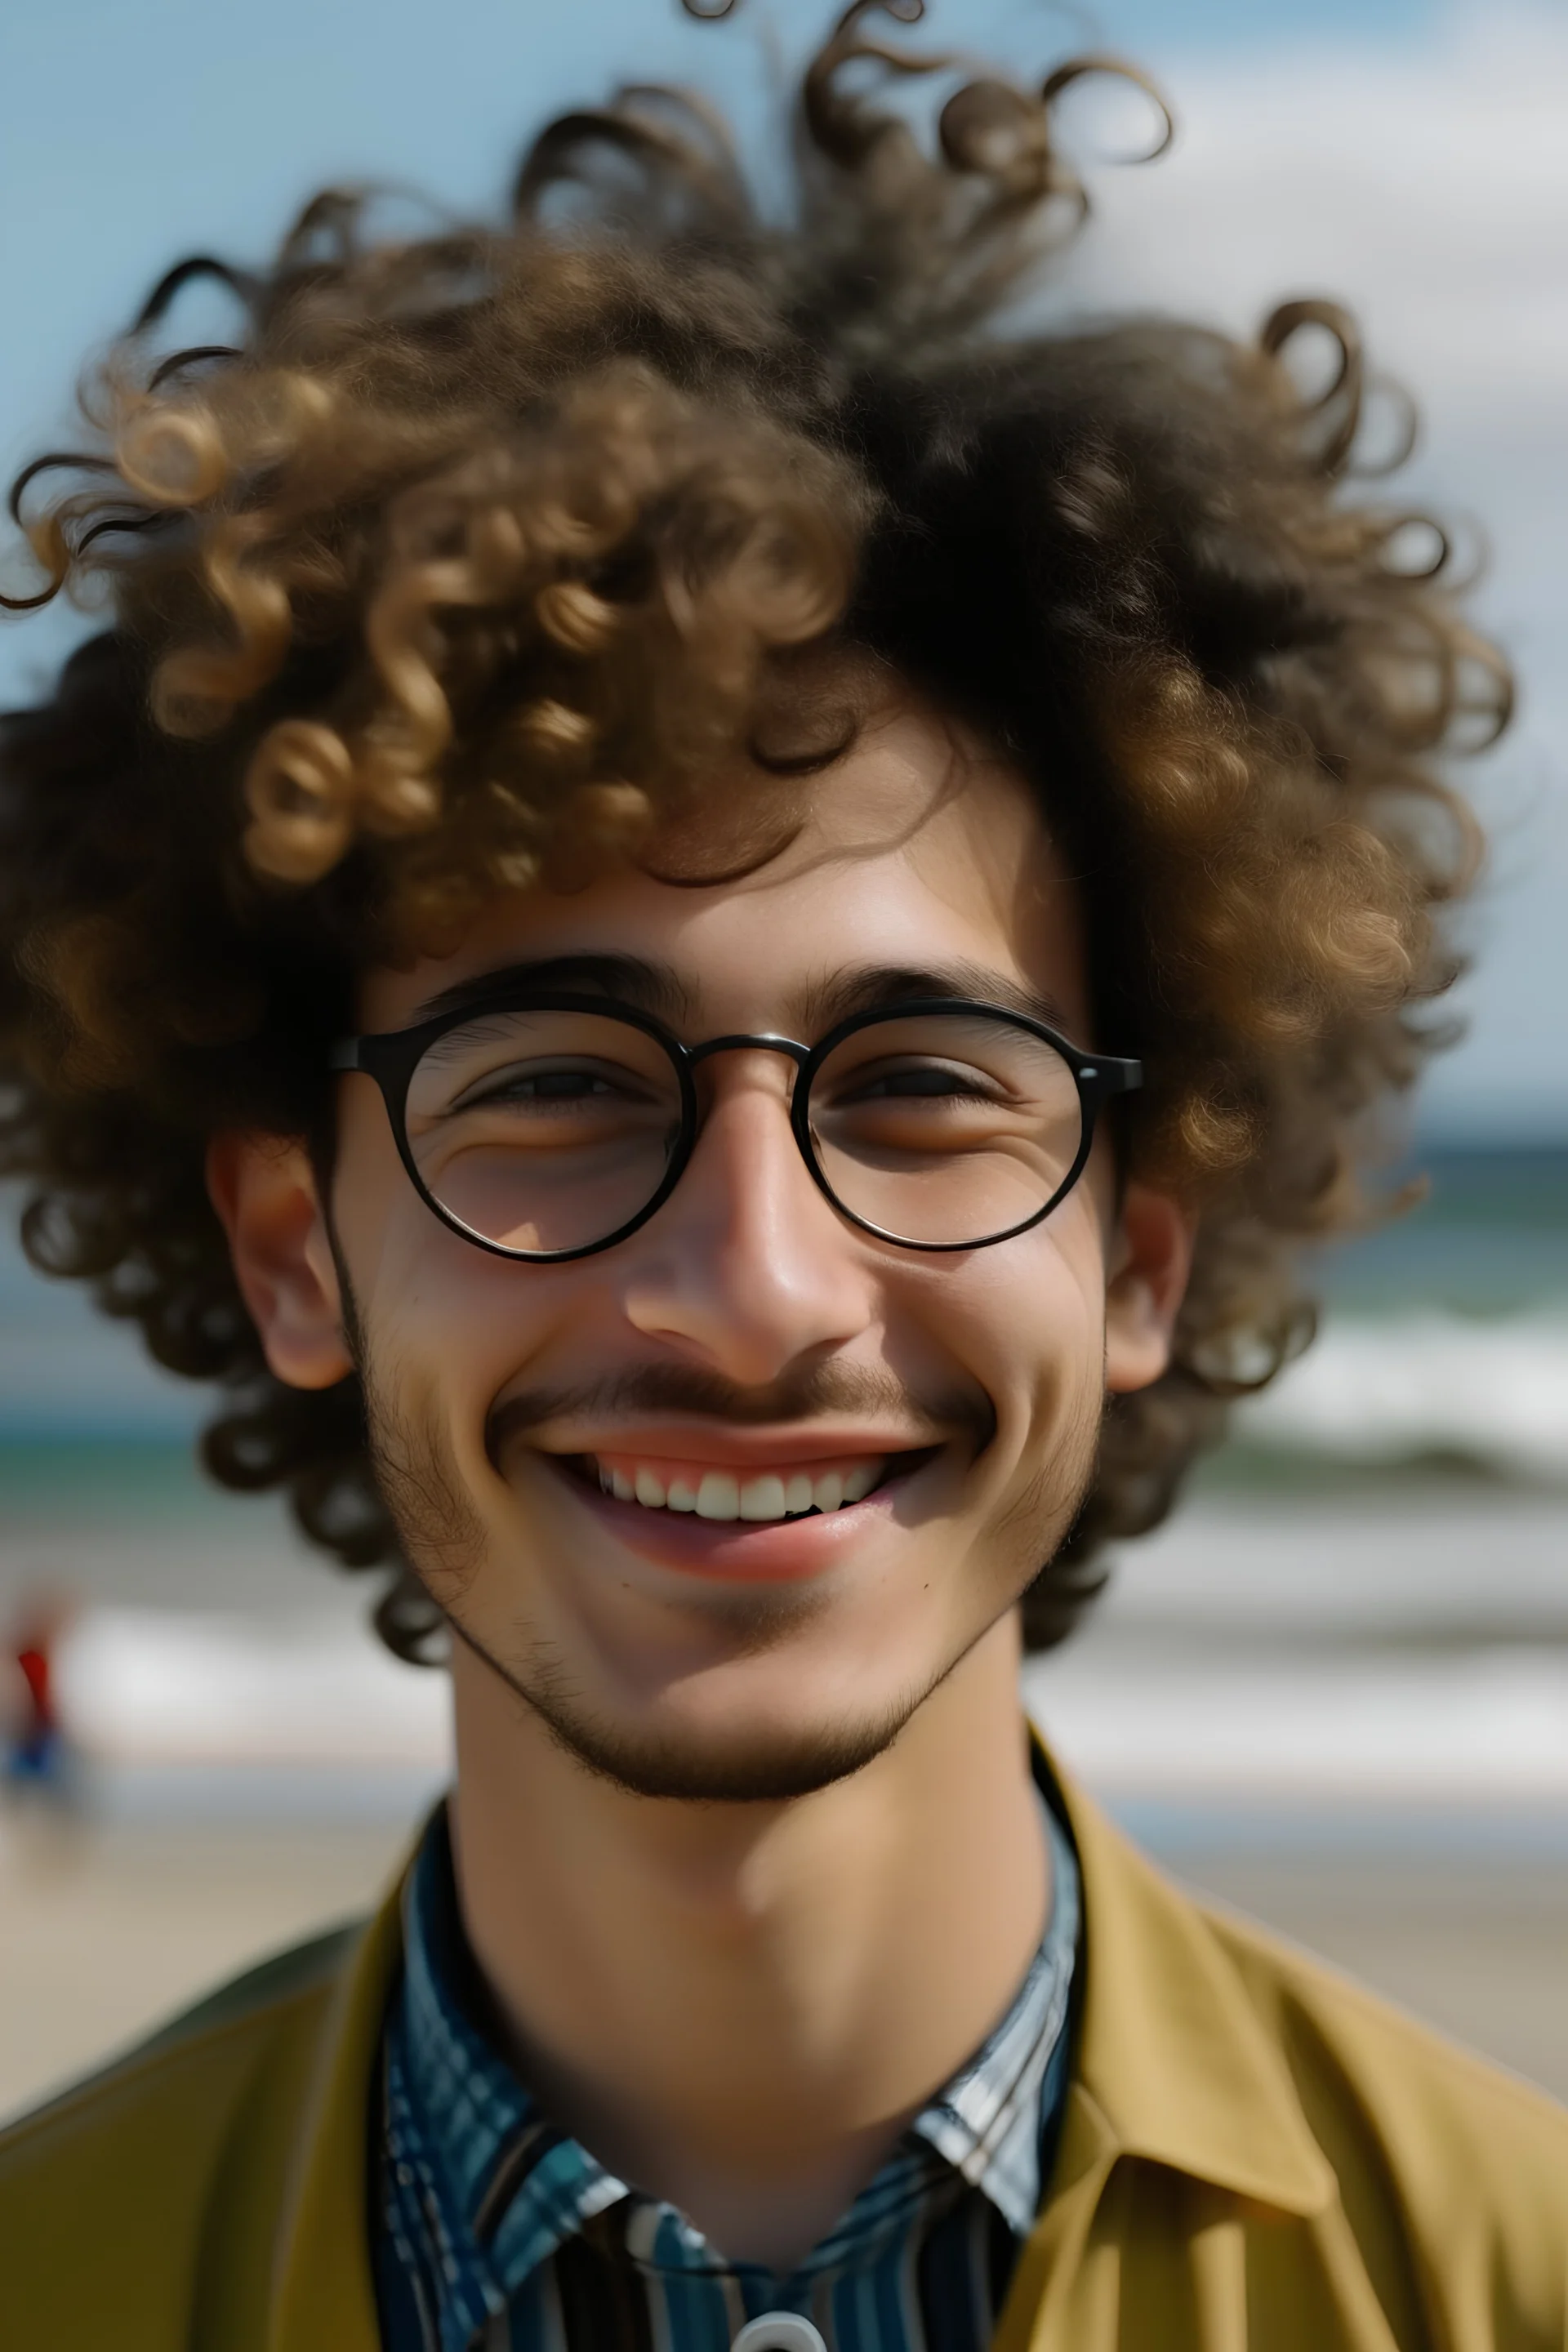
546	1126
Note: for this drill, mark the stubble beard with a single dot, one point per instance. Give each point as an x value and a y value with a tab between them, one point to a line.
445	1542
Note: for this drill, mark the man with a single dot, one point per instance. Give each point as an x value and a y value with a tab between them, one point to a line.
712	930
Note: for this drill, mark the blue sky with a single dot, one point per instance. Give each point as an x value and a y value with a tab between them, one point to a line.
135	127
1404	153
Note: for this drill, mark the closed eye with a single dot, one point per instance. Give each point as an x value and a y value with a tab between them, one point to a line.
526	1086
921	1081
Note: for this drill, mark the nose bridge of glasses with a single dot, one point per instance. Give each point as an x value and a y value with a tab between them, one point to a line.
764	1042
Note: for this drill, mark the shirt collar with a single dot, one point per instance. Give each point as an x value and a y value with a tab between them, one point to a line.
987	2121
496	2185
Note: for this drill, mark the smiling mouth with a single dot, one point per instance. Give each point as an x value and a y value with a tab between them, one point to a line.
794	1491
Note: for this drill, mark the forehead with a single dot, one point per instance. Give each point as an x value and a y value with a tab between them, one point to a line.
918	849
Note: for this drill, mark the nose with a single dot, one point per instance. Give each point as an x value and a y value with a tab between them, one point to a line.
746	1266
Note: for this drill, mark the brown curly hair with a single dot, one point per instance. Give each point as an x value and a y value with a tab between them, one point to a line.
464	565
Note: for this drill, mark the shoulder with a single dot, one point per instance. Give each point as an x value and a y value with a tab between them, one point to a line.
186	2073
1355	2153
1426	2140
112	2180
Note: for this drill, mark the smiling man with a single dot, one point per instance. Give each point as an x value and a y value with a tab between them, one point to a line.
713	929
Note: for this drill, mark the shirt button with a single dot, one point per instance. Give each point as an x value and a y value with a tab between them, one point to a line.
778	2331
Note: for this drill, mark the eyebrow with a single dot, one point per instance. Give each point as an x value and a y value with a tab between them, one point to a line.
657	989
651	987
869	987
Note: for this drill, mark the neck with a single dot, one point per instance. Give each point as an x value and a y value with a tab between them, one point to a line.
739	2007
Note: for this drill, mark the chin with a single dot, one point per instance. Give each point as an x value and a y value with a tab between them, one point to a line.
750	1750
707	1767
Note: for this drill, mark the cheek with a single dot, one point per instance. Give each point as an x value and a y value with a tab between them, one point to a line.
1032	1319
438	1314
1048	1436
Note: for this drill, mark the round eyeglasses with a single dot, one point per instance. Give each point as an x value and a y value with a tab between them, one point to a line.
546	1126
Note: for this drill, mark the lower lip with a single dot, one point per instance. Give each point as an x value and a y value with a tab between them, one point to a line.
737	1551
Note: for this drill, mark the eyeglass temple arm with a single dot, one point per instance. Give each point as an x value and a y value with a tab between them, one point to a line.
1108	1075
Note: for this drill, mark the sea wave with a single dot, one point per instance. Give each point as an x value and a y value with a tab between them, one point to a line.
1411	1387
185	1711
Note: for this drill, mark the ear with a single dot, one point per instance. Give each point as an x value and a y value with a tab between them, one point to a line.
1153	1256
264	1190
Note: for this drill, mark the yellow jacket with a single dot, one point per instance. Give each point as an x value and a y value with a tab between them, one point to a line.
1254	2154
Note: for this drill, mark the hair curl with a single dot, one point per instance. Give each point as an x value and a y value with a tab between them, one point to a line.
464	564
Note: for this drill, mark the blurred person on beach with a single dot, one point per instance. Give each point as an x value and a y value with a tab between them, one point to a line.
713	925
38	1753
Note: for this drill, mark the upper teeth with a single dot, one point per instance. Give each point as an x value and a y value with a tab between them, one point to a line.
720	1495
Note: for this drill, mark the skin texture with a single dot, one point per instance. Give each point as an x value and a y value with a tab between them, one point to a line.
745	1837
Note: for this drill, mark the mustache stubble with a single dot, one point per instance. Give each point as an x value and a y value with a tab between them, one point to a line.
802	1395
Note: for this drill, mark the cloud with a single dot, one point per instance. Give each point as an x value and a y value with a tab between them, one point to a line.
1424	182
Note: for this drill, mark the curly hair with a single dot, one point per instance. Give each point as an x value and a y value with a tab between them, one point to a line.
465	567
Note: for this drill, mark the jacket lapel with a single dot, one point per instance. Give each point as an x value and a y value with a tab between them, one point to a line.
1174	2054
323	2298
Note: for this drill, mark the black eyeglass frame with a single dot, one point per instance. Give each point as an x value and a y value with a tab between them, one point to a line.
391	1056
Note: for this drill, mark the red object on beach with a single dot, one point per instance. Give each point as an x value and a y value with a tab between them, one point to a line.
34	1662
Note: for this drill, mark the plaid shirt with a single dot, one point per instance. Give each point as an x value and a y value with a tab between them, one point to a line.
500	2233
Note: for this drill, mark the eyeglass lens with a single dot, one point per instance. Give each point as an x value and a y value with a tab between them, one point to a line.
542	1132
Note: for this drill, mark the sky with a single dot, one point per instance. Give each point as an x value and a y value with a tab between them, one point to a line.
1407	157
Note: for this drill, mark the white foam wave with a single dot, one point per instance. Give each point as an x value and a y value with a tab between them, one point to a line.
1494	1393
157	1687
178	1714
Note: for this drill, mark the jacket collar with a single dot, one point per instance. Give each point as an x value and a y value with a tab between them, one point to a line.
323	2298
1173	2066
1172	2053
